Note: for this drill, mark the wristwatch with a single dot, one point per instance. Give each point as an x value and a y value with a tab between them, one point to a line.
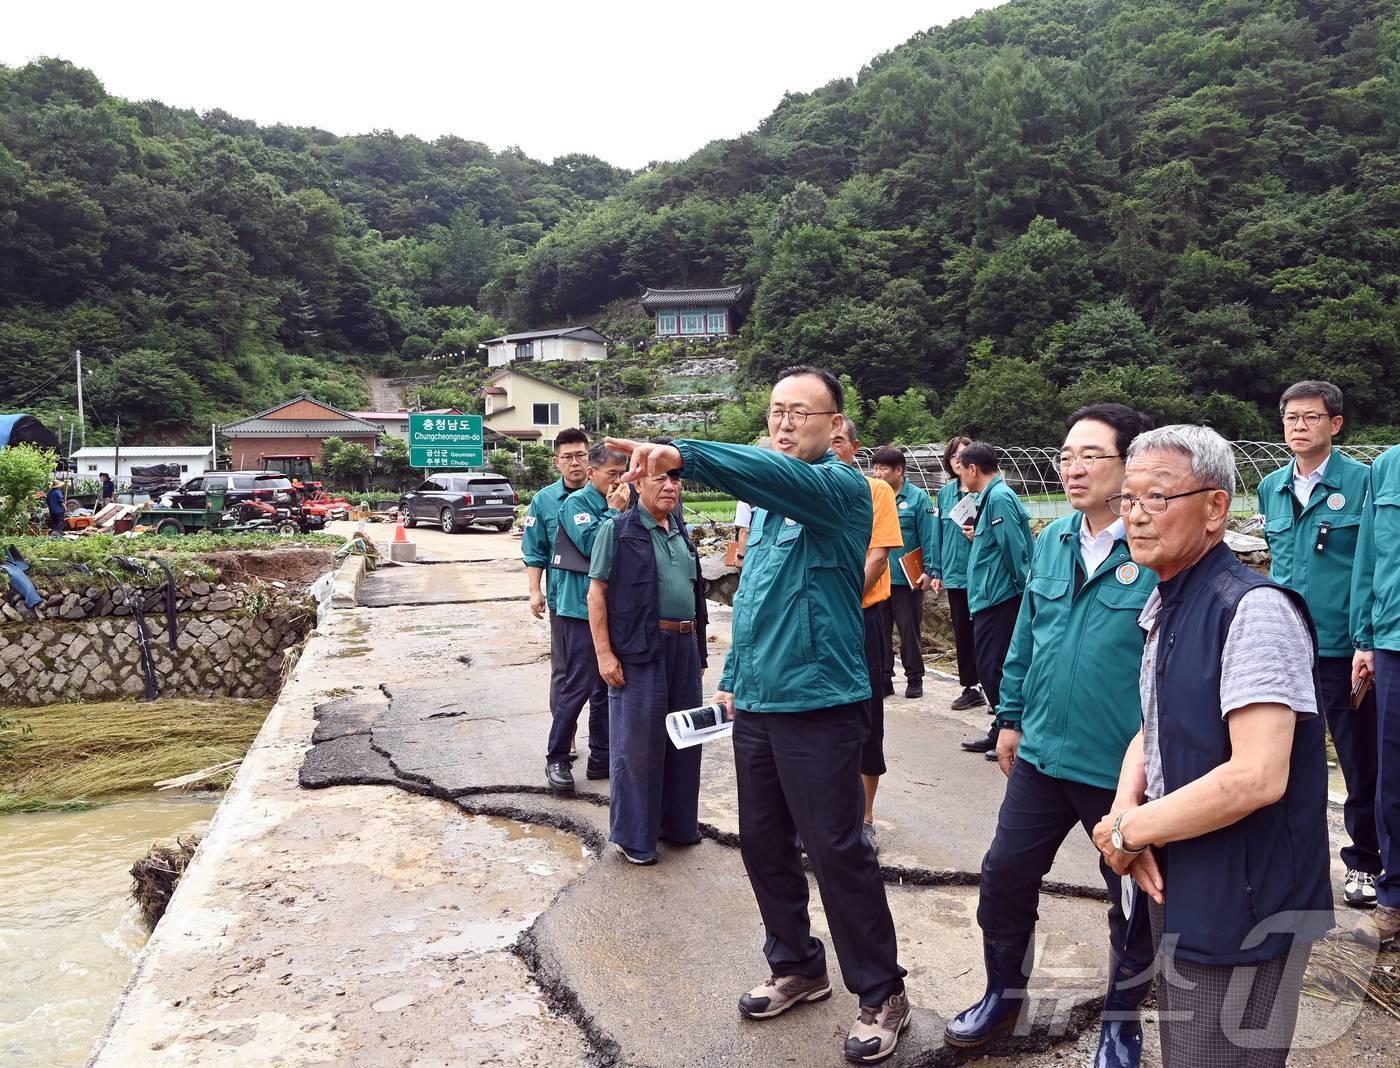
1008	724
1118	842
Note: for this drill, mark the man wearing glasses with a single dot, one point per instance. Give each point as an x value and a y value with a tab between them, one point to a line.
537	547
1221	810
797	680
1068	709
1312	509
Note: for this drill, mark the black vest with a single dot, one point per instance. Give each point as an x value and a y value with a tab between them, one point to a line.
634	613
1244	892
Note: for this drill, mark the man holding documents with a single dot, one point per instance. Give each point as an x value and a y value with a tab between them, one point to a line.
910	566
647	614
1068	708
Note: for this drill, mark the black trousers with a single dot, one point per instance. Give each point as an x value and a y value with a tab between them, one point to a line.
798	774
877	646
991	630
963	637
907	615
1037	813
574	682
1354	733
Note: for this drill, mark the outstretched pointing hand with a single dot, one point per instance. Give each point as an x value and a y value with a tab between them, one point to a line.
647	459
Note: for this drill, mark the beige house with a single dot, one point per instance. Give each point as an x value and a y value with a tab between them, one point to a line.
572	343
524	408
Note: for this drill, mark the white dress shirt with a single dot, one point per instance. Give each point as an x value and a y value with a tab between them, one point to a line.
1303	484
1094	548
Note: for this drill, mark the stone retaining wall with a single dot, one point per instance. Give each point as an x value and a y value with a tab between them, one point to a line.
82	644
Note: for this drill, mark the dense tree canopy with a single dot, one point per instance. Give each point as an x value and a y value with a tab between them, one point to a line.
1181	204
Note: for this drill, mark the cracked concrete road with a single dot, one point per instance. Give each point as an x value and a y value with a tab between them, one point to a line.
410	910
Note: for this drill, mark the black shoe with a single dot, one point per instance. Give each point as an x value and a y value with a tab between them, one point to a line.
915	688
971	697
597	769
982	743
990	754
559	776
889	687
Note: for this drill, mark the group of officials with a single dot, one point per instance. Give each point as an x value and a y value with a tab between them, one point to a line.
1142	682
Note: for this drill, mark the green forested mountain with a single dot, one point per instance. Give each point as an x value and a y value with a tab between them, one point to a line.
1183	204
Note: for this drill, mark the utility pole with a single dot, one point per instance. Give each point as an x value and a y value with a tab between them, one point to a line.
597	403
117	458
82	433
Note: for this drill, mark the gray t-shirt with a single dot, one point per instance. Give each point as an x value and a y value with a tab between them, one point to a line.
1268	659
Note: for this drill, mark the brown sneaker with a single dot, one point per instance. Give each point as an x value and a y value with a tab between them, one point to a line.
1379	925
876	1031
781	993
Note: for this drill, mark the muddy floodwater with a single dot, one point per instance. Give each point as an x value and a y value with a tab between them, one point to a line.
68	931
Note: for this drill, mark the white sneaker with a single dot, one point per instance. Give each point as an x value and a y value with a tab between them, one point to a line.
1359	889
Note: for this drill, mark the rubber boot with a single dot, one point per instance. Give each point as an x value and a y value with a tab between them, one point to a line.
1120	1041
1008	974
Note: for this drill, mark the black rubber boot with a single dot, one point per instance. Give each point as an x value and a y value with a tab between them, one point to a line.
1120	1041
1008	973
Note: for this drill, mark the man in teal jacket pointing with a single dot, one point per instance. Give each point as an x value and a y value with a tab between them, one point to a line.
797	678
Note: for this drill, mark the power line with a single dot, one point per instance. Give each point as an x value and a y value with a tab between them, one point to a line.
40	388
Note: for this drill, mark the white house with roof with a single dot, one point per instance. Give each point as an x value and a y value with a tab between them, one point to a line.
521	407
574	343
395	424
92	461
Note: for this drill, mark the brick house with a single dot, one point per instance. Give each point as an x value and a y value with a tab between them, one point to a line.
295	428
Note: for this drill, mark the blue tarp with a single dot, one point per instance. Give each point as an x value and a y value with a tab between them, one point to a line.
25	430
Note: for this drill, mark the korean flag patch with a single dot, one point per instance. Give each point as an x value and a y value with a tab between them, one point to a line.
582	519
529	521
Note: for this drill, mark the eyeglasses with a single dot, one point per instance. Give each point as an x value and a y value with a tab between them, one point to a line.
1154	503
1068	460
796	415
1309	418
573	457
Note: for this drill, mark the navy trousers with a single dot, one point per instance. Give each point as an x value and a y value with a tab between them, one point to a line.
1037	813
963	639
798	774
655	786
574	682
1388	774
1354	734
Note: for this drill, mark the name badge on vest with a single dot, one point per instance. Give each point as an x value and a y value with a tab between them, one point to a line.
1336	502
1127	573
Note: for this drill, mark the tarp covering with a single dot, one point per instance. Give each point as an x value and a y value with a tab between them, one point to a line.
26	430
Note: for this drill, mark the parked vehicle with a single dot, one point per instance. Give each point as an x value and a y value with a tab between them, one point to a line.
254	497
454	500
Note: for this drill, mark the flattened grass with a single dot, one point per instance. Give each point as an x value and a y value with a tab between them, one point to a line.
79	753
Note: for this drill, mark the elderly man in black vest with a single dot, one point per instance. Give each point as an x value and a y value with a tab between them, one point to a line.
646	609
1221	808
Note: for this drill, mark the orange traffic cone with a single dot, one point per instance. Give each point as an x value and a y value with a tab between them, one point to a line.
399	534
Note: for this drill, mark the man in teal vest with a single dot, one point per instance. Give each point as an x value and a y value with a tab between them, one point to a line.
1312	515
582	515
949	571
1069	707
797	678
918	527
1375	615
996	572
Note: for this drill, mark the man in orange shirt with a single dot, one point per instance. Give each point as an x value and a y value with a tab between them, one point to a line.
884	536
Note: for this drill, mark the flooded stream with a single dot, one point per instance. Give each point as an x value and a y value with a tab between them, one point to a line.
68	930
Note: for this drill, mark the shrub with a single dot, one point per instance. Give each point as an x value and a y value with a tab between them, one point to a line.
24	472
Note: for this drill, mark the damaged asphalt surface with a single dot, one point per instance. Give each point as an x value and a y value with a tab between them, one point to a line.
437	685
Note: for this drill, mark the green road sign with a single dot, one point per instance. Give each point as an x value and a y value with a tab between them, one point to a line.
442	441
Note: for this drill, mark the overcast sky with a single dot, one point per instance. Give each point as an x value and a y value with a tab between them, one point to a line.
626	80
